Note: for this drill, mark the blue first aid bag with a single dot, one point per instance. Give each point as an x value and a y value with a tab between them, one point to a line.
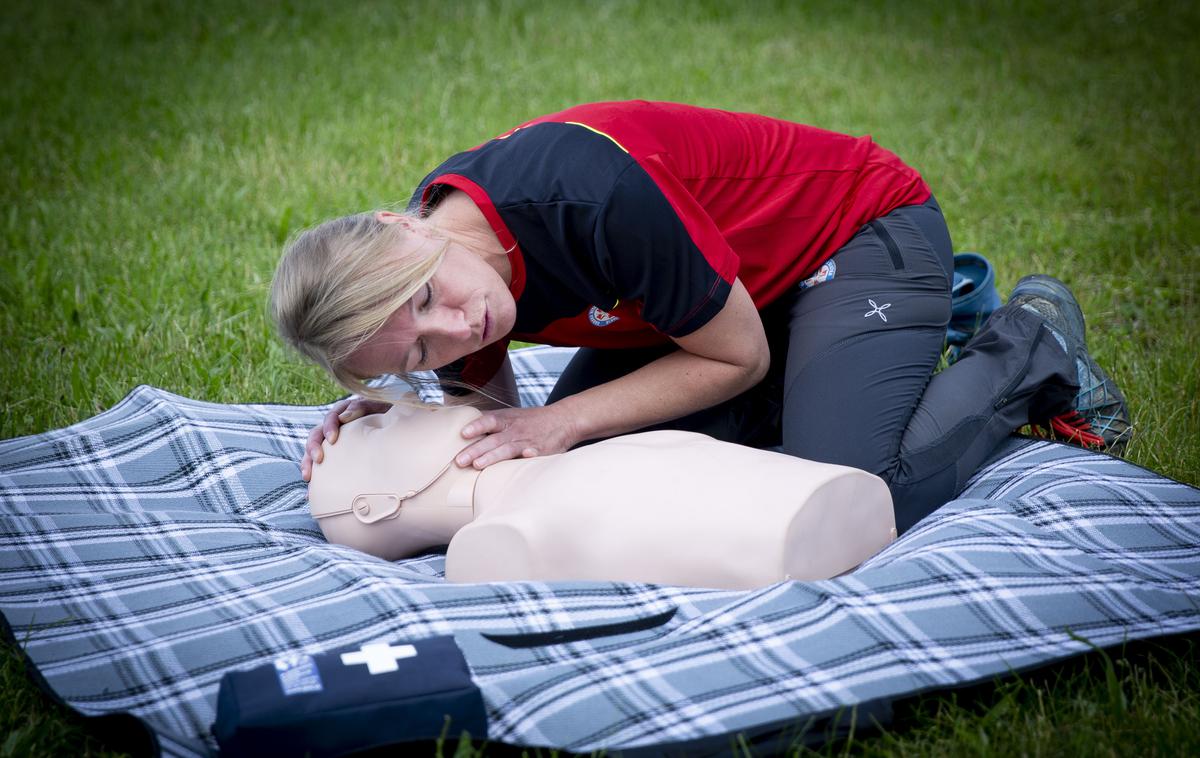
335	703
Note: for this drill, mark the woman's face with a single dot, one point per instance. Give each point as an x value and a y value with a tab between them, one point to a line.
463	307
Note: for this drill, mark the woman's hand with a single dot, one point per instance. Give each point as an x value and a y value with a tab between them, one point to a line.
517	433
342	412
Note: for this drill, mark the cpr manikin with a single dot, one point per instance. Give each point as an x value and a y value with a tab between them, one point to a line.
664	507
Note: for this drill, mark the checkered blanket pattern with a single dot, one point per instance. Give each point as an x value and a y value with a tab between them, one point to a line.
146	551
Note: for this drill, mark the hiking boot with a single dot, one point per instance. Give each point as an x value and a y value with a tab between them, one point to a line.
1100	419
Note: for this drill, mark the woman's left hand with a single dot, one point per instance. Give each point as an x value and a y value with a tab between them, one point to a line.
516	433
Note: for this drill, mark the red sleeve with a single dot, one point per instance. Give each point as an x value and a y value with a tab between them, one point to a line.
700	226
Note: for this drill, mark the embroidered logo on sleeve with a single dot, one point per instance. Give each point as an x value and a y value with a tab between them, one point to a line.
601	318
826	272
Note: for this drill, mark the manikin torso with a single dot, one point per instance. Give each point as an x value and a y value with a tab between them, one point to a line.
664	507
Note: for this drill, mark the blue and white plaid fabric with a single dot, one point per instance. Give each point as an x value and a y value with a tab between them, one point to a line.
146	551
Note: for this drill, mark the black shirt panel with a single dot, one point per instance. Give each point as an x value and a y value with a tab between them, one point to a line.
650	257
593	229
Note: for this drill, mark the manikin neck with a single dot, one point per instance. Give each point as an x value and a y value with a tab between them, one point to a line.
495	488
461	495
464	494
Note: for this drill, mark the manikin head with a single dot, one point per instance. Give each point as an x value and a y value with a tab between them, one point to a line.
389	485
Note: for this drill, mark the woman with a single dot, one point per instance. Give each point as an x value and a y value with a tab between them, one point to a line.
754	279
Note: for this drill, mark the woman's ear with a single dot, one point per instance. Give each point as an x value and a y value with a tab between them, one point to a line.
391	217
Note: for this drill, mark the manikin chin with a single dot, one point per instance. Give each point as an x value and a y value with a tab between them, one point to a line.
663	507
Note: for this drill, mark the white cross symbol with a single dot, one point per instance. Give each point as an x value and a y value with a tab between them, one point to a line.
879	309
380	657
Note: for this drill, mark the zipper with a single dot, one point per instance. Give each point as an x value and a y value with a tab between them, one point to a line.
1005	395
892	248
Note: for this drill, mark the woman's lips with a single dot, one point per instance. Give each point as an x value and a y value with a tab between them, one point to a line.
487	325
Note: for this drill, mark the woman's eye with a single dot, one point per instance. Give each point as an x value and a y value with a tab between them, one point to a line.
428	296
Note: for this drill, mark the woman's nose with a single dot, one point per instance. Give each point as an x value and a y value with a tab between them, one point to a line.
452	323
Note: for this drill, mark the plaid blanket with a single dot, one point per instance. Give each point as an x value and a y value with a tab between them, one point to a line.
146	551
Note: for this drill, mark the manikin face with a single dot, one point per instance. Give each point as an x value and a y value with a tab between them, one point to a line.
385	486
463	307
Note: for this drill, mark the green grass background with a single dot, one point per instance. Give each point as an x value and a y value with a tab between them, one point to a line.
155	155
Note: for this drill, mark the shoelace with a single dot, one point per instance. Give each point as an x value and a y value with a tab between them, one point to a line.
1073	428
1101	422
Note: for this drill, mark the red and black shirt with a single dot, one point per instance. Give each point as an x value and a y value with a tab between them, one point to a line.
628	222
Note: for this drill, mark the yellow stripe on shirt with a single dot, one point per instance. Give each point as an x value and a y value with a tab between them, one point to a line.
602	134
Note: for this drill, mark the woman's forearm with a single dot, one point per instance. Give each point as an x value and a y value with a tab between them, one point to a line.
726	356
721	359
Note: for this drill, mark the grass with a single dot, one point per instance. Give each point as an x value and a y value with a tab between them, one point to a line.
31	725
1140	700
154	155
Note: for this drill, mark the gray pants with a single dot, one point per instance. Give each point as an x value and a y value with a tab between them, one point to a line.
851	380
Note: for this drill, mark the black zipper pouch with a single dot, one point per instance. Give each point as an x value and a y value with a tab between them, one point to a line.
335	703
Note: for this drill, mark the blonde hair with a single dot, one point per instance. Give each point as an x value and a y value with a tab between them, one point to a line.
337	283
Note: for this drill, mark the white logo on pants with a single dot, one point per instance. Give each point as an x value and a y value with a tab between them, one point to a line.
877	310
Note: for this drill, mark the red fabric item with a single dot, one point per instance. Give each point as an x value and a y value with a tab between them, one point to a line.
766	200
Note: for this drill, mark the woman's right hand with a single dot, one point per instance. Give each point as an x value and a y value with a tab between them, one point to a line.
342	412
